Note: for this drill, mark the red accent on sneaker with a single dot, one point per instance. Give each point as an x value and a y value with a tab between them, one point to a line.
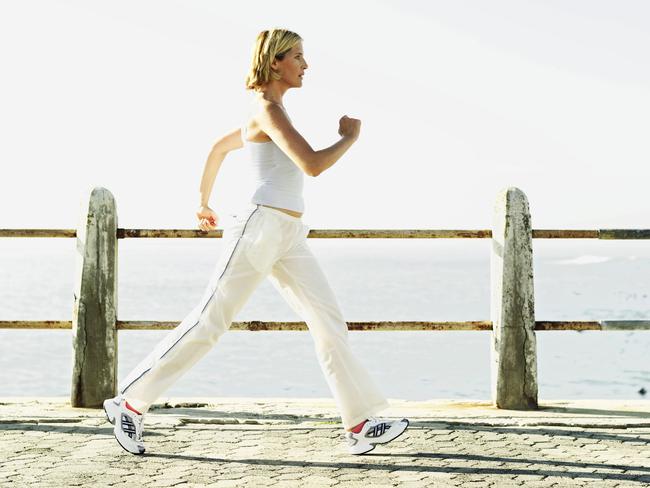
126	404
358	428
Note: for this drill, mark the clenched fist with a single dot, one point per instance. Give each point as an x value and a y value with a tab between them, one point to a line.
349	127
208	219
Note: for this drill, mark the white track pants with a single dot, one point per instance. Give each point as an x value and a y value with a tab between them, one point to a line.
262	242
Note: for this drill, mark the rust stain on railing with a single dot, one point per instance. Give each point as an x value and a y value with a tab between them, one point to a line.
38	232
383	325
408	233
352	233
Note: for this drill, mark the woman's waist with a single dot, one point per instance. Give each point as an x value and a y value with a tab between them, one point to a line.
285	201
285	211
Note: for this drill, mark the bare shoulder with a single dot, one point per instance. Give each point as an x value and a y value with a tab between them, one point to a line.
271	112
274	121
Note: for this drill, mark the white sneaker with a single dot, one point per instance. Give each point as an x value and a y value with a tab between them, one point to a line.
128	431
374	431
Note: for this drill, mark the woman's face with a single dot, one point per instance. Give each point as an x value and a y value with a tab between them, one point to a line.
292	66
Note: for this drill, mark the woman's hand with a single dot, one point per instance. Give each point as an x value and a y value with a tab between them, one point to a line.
208	219
349	127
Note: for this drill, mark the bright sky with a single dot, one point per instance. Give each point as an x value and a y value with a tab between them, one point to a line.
458	100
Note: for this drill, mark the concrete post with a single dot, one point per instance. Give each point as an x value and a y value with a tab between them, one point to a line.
513	351
94	368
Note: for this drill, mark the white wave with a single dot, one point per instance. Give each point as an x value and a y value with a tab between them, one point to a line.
585	259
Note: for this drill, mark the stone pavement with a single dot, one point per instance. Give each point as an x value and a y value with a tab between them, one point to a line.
284	442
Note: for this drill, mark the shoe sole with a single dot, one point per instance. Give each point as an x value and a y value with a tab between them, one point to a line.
372	446
122	446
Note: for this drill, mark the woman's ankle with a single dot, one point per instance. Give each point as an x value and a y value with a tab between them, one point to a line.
130	407
357	428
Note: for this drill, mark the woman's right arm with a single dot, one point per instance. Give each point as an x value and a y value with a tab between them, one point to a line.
275	123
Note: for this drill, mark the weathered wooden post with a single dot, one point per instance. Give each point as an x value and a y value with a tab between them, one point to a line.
94	369
513	351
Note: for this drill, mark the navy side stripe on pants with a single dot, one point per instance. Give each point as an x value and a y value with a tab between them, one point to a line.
206	303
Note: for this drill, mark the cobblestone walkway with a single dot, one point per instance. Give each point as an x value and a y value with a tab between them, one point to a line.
283	442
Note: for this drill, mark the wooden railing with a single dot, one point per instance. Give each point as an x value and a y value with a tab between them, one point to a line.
513	325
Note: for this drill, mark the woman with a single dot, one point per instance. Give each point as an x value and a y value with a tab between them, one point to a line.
267	240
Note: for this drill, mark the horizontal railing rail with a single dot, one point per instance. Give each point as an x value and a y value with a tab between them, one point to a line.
401	325
121	233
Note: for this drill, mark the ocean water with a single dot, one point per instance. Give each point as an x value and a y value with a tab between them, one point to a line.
373	279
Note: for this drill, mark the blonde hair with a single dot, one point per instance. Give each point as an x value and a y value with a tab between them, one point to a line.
269	45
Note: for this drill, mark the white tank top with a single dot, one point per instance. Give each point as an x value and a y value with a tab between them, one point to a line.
278	180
